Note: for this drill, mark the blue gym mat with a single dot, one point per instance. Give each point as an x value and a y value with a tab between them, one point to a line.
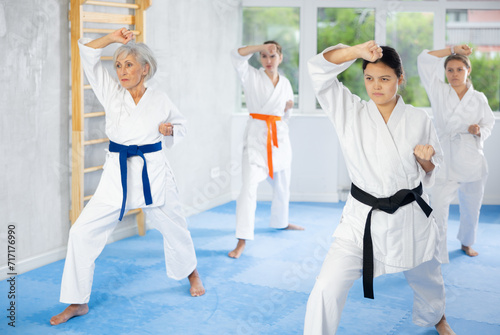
265	291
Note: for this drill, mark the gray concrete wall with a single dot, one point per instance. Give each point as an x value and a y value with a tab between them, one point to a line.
34	128
192	40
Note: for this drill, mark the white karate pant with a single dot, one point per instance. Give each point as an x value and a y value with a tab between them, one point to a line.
91	231
470	197
343	265
247	200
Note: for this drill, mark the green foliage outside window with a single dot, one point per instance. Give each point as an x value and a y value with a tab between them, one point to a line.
485	77
410	33
347	26
281	24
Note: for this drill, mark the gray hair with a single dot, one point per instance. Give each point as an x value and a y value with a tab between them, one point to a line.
142	54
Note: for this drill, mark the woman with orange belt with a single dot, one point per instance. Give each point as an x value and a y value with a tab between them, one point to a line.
266	144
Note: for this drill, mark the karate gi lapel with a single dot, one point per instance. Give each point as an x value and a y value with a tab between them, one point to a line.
454	122
465	109
464	158
390	160
132	113
274	105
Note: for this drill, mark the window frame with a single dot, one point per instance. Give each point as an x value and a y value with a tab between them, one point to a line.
308	27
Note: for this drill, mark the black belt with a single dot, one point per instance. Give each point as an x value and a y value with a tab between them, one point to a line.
128	151
388	205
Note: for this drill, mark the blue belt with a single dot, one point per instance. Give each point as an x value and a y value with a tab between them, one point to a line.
129	151
389	205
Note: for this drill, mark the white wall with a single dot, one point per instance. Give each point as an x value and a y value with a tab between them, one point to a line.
491	151
192	40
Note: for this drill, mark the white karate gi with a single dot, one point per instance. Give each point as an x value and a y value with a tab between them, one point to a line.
263	98
380	161
128	124
465	169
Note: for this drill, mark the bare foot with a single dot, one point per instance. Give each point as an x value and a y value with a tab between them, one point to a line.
238	250
469	251
70	311
294	227
197	288
443	328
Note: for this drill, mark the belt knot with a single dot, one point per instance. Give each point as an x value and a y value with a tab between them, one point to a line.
384	204
132	150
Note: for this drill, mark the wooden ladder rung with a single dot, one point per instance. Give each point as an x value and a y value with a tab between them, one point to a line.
105	31
112	4
93	114
98	17
96	141
87	87
93	168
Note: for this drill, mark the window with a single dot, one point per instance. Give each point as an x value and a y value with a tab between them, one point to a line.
480	29
456	15
410	33
348	26
280	24
408	26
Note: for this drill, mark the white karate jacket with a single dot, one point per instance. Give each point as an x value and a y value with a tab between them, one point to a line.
131	124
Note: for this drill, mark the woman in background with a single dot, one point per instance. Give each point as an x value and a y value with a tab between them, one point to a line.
463	120
266	144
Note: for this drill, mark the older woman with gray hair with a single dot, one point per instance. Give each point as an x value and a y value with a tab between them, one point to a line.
139	122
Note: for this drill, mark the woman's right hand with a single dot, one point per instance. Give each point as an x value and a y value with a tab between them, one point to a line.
369	51
166	129
122	36
270	49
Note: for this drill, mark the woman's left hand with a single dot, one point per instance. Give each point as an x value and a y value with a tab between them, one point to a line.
122	35
424	154
289	104
166	129
463	49
474	129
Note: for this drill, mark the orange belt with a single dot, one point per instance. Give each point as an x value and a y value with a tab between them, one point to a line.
272	136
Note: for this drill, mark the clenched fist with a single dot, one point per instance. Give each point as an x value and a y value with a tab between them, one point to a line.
424	153
474	129
166	129
369	51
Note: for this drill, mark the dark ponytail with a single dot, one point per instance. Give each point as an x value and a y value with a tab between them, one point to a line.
391	58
